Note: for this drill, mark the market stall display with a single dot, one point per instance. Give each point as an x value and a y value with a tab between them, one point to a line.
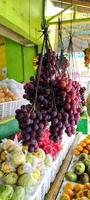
30	173
6	95
83	146
78	174
55	99
76	192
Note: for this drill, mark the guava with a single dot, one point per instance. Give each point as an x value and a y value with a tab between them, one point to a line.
48	160
26	181
19	193
11	178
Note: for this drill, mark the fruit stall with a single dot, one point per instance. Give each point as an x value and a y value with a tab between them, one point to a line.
44	116
76	182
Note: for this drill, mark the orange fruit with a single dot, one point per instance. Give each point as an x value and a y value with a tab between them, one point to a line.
78	187
76	152
65	197
88	136
83	144
87	186
88	141
88	147
85	151
69	192
69	186
79	148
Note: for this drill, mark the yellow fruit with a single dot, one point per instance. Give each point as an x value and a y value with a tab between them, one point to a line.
85	151
88	141
88	194
1	174
69	192
76	152
4	155
78	187
39	154
88	147
25	149
83	144
36	175
87	186
69	186
7	167
80	148
17	158
65	197
7	144
21	169
88	136
80	194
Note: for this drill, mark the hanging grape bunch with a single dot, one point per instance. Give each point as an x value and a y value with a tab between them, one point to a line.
54	98
63	63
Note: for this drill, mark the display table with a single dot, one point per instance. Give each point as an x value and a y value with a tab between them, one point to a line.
50	172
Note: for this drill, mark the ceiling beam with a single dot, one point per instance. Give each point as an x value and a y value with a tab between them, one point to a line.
75	21
6	32
77	2
51	18
82	6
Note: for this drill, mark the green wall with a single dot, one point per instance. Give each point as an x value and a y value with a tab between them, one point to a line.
29	53
23	17
19	61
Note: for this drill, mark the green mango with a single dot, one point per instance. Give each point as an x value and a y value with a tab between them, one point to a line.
71	176
6	192
86	162
79	168
19	193
88	169
83	156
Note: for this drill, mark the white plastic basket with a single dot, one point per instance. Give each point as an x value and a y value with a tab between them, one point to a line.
51	172
7	109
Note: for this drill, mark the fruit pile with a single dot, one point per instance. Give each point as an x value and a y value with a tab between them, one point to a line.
76	192
81	170
20	169
54	98
49	146
83	147
6	95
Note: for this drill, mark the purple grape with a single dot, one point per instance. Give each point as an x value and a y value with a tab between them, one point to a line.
32	115
55	121
35	127
41	126
54	114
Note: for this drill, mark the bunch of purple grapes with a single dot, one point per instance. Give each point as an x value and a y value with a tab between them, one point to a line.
32	123
58	102
67	100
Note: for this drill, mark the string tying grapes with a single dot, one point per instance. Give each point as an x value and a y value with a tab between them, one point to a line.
54	98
